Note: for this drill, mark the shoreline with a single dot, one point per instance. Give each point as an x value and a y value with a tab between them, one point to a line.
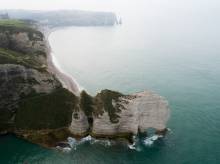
66	80
69	83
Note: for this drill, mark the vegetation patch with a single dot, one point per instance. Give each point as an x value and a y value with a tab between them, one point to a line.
12	22
15	26
105	100
46	111
12	57
87	105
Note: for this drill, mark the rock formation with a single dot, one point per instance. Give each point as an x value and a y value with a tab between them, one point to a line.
116	115
26	82
42	104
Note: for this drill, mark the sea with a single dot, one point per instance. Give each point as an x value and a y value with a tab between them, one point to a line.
170	47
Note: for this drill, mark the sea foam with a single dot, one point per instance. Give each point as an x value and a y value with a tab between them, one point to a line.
149	141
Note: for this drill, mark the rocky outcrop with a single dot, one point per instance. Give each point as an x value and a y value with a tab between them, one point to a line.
44	105
141	111
31	96
18	82
24	40
132	114
79	125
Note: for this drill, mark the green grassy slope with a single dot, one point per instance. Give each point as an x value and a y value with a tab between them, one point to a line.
12	57
47	111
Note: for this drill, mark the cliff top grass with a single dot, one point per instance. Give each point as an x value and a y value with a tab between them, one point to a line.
14	57
15	25
13	22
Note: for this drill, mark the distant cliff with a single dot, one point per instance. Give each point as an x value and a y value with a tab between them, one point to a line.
43	105
66	17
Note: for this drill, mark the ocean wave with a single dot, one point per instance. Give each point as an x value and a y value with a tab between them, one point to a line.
149	141
73	143
137	145
132	146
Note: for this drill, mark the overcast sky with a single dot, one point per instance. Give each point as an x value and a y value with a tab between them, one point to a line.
119	6
107	5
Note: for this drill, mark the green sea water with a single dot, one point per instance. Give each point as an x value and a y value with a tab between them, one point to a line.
170	48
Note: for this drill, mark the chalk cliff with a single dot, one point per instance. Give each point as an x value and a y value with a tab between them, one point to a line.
111	114
43	105
29	87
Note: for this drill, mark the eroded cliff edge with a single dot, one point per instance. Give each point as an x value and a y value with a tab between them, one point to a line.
43	105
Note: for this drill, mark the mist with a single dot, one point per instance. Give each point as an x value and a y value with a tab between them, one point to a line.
129	9
112	5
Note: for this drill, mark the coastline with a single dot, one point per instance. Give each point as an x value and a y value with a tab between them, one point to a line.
108	115
102	127
67	80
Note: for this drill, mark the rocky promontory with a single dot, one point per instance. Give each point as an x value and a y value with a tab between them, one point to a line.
43	105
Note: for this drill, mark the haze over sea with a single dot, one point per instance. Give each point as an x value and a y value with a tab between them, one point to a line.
170	47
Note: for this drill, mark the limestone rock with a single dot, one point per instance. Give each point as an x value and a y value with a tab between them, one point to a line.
79	125
33	97
31	43
18	82
133	113
142	111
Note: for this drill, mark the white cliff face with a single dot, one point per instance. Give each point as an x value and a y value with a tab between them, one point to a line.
144	110
138	113
128	123
79	125
153	111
